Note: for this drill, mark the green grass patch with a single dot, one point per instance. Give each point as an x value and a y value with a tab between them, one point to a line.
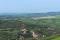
58	38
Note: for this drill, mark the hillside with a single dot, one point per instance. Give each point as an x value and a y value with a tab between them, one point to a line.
45	27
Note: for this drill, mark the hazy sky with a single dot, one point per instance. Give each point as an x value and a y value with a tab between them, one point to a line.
29	5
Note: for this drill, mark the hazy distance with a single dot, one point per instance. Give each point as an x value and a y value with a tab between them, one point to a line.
29	6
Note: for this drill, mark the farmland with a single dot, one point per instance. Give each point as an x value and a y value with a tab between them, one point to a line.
16	27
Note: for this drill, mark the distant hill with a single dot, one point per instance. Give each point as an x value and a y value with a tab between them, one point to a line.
44	14
32	14
53	13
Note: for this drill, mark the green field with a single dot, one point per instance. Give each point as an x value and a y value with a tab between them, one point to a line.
58	38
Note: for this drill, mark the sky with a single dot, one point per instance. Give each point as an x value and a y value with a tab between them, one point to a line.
29	6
